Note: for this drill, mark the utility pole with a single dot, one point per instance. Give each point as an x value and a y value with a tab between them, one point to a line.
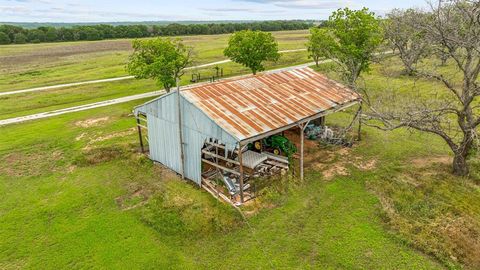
180	135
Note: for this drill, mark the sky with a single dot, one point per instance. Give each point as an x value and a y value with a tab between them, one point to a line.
180	10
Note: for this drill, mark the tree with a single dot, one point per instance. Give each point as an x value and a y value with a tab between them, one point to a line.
51	35
316	43
404	37
349	38
36	36
161	59
20	38
451	112
252	48
4	39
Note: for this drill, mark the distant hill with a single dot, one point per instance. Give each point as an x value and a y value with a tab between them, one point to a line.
32	25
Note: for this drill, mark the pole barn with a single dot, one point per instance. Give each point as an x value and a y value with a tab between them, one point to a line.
219	119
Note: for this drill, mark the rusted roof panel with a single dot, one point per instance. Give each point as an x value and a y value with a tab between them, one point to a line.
249	106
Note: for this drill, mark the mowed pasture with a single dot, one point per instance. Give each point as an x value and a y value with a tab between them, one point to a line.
34	65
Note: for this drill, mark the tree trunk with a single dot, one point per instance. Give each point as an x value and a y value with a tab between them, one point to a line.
460	165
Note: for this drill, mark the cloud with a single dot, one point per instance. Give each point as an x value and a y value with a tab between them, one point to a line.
302	4
78	14
239	9
228	9
31	1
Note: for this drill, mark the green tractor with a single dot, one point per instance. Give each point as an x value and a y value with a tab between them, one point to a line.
277	144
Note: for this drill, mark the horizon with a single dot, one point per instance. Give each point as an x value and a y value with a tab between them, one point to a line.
159	21
109	11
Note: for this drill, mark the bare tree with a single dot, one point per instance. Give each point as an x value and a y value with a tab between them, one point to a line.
404	36
453	111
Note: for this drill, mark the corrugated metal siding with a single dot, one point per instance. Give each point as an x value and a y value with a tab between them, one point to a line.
162	123
163	142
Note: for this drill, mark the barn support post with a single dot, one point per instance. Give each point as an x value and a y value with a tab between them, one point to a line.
140	135
180	135
241	171
302	139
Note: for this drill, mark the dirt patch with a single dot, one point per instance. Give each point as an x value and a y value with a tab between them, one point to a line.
114	135
427	161
92	141
92	122
333	161
365	165
136	197
81	136
334	170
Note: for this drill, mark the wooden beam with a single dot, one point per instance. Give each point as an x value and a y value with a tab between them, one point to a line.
142	119
209	188
241	171
301	151
140	135
302	139
220	157
219	146
220	166
180	135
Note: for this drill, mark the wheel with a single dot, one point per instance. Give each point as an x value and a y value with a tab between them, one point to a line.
277	151
258	145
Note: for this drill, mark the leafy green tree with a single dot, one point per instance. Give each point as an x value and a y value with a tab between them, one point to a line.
20	38
316	44
252	48
51	35
161	59
350	38
4	39
36	36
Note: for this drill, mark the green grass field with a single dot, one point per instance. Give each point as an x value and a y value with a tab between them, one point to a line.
41	101
67	192
34	65
76	193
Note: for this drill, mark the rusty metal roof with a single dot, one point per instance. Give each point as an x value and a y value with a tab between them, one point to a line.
252	105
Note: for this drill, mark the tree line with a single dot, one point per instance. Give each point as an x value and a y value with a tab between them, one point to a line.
10	34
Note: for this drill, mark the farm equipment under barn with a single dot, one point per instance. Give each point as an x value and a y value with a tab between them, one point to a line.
222	166
276	144
328	135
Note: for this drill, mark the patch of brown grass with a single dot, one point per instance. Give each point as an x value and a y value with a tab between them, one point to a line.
100	155
18	164
434	210
428	161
